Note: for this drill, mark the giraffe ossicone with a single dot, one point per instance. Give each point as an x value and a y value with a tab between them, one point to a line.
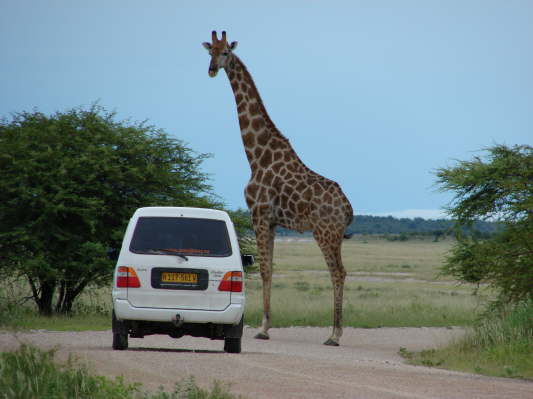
282	190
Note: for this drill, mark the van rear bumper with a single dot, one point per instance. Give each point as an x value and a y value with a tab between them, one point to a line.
231	315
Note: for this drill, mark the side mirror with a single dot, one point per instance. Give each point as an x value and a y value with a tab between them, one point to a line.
247	260
112	254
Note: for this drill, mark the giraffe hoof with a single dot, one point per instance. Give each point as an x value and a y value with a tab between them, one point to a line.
331	342
262	335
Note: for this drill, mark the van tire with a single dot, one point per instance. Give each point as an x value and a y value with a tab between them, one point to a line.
120	333
120	341
232	345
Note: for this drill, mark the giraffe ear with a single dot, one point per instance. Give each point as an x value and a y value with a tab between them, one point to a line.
233	46
207	46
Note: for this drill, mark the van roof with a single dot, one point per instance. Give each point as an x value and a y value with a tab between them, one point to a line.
176	211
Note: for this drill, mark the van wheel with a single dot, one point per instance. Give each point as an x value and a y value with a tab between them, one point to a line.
232	345
120	341
120	333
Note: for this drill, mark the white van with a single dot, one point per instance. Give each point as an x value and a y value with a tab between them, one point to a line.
179	272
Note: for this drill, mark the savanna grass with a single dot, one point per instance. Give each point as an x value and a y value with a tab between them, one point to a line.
422	258
299	300
389	284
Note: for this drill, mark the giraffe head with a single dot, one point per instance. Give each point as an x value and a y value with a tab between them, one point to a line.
220	52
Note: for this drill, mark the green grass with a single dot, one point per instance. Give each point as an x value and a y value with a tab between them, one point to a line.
499	345
31	373
27	319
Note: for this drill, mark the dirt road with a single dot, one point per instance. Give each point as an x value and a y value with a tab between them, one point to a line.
293	364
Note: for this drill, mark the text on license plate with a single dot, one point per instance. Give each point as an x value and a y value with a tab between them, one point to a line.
171	277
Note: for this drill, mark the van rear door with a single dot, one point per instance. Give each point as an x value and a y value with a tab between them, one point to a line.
180	262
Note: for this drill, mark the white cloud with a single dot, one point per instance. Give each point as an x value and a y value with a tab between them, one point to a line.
414	213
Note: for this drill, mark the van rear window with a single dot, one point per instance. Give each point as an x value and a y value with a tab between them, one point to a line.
180	236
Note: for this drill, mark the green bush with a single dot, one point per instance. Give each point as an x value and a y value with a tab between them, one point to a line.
187	389
31	373
501	344
509	325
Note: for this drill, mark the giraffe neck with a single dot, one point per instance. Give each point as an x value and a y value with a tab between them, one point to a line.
257	129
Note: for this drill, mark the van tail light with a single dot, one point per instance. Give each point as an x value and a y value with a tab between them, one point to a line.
127	278
231	282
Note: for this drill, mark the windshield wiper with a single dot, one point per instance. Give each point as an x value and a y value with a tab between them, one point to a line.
168	251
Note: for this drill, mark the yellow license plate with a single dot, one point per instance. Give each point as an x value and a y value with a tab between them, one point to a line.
170	277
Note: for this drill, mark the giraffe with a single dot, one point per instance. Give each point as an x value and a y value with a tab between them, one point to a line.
282	190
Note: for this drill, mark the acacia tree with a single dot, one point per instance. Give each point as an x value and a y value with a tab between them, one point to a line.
69	184
498	188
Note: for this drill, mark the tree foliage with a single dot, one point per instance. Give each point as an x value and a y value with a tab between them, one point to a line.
69	184
499	187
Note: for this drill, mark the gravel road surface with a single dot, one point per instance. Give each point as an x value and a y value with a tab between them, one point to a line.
293	364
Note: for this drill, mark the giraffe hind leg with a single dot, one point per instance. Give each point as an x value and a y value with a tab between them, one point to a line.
331	249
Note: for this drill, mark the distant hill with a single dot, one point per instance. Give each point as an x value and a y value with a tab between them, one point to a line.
365	224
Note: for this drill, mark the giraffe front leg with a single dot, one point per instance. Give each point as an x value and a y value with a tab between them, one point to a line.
265	325
265	246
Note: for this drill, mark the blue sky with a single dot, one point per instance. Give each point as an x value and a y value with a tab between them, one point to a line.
374	94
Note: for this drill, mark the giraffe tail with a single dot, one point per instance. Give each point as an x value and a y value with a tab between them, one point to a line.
348	233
